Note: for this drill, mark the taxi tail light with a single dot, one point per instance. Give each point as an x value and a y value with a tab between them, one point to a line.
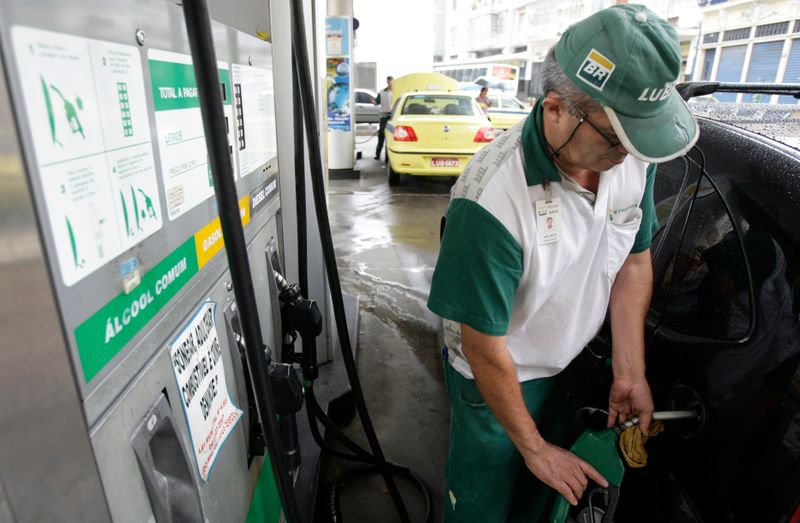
485	134
404	133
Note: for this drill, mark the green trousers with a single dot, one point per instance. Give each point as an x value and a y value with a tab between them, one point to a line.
381	136
486	478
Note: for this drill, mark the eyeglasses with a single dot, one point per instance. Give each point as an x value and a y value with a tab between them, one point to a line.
612	144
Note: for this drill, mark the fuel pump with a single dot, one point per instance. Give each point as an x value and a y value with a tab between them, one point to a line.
140	136
142	147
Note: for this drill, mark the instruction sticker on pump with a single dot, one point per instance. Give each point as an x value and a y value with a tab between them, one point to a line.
86	105
179	123
196	358
254	102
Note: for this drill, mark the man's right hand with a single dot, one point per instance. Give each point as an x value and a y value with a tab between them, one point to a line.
562	470
496	378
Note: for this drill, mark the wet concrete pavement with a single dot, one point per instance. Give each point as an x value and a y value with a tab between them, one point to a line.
386	241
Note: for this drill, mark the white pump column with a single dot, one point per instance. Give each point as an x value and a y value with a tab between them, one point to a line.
339	85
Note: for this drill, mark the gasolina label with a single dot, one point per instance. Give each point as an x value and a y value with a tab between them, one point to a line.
209	240
200	375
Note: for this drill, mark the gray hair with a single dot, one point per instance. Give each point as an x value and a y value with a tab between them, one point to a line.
554	80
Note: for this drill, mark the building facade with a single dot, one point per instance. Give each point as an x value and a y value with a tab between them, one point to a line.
520	32
750	41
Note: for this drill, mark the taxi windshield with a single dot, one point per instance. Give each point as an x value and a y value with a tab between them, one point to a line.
440	105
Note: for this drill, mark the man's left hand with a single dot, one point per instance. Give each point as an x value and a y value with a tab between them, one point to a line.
630	398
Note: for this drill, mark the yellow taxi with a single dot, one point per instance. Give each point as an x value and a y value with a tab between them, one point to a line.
433	132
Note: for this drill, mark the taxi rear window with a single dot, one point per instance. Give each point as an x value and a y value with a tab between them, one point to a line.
439	104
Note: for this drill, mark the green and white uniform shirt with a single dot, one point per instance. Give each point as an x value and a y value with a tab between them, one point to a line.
496	274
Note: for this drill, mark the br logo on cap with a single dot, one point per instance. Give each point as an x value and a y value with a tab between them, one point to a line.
596	70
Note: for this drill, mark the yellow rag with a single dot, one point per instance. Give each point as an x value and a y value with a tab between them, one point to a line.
631	443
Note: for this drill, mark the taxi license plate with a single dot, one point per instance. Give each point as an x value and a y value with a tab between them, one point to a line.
444	162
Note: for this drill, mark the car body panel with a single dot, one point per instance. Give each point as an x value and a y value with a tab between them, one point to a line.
723	336
422	82
445	124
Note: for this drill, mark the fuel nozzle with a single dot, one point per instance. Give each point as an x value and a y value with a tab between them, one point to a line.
301	316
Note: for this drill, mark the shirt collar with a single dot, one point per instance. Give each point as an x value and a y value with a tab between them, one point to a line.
538	163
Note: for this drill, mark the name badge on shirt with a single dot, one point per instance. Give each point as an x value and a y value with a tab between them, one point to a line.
548	220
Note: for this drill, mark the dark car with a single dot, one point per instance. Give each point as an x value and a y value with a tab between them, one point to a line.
723	329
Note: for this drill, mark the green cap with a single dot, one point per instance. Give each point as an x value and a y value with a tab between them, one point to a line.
627	58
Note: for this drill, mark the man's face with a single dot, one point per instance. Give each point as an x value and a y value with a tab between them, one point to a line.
594	144
389	83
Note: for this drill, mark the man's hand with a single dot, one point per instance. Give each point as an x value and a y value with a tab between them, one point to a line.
496	378
630	398
563	471
630	297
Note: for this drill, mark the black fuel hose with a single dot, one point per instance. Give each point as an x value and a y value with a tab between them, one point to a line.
379	462
300	185
198	27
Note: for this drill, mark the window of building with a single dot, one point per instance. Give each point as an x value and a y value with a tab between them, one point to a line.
731	60
772	29
519	20
796	26
710	38
736	34
708	64
487	52
792	73
764	61
498	23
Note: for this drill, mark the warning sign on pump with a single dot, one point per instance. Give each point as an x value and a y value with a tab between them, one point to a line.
86	105
196	358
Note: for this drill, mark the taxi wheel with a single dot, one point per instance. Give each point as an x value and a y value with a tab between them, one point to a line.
394	177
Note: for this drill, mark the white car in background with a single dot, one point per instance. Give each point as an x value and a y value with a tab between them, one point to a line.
367	109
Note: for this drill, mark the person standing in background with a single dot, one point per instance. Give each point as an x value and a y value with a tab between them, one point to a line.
385	101
483	98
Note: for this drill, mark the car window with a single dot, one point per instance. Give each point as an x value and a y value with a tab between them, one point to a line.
439	104
709	286
673	190
508	102
364	98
